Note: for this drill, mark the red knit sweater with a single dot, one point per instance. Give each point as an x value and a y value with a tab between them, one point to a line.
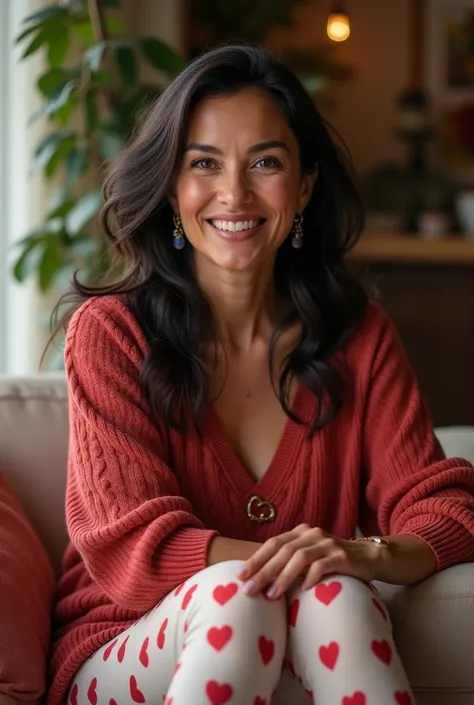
143	501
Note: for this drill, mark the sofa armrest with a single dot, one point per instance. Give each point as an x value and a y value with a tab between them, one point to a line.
433	625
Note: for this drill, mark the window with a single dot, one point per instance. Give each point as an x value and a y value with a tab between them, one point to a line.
18	353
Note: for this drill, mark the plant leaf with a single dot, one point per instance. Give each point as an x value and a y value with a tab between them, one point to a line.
63	114
50	264
56	200
84	31
54	226
26	33
29	258
47	13
59	100
52	81
101	78
43	37
126	64
48	146
93	56
59	46
76	162
160	55
83	211
91	112
59	204
60	154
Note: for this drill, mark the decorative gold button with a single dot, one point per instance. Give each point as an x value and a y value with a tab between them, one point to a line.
260	510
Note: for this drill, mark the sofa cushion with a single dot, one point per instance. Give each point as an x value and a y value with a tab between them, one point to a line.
26	595
433	624
33	451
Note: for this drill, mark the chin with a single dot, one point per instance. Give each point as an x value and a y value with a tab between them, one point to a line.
232	261
235	264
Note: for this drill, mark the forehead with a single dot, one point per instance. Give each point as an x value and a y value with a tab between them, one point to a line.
250	114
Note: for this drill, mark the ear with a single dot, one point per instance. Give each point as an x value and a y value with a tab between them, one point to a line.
306	189
174	202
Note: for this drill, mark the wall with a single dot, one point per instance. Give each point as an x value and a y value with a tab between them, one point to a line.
379	52
163	19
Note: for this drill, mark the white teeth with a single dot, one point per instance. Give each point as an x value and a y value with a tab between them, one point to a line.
232	226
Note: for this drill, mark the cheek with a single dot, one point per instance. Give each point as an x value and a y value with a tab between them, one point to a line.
280	195
192	194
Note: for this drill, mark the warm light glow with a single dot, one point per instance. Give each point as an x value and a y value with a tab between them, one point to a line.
338	28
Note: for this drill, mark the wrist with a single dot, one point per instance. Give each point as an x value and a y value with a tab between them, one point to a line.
222	549
403	560
382	557
378	551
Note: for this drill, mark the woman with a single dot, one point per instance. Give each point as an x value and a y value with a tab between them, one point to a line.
238	408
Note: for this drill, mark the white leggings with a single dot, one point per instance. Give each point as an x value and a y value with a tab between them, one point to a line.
207	643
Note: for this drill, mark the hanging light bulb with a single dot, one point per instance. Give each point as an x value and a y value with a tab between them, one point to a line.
338	27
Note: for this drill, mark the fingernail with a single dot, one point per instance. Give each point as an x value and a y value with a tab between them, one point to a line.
249	586
242	573
272	591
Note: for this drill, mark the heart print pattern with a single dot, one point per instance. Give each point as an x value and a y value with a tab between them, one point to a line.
137	655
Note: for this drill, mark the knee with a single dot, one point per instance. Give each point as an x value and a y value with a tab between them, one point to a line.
226	571
344	592
218	590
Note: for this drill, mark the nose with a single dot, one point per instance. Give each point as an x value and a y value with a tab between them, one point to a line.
234	188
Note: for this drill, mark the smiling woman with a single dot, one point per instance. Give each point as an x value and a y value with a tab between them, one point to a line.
238	206
237	409
235	139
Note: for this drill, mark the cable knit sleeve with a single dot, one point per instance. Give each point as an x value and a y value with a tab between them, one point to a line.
137	535
411	486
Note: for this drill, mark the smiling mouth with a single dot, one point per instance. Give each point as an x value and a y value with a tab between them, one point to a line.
236	227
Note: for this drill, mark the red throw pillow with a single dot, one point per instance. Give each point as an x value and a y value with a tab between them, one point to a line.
26	594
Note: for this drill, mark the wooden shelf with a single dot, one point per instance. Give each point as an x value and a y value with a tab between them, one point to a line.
407	248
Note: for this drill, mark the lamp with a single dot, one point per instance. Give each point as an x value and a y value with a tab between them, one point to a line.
338	27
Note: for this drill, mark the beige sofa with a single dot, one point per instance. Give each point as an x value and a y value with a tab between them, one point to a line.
433	622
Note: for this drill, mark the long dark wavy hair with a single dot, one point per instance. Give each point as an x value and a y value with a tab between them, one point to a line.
159	282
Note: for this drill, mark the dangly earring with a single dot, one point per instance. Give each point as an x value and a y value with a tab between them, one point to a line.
178	233
297	231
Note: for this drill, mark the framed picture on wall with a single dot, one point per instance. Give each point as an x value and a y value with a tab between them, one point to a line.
449	80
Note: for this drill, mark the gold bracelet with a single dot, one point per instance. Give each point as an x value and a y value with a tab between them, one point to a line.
378	540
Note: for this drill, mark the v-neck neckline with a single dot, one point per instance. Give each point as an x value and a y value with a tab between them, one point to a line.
283	458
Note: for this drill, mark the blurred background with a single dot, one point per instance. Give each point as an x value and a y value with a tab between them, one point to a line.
395	78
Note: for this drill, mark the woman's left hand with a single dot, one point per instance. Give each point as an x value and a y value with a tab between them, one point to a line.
308	553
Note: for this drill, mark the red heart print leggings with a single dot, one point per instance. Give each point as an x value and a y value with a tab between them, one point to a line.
207	643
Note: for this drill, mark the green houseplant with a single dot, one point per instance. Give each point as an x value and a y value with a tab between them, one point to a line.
92	96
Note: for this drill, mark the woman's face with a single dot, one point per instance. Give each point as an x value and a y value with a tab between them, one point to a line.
240	182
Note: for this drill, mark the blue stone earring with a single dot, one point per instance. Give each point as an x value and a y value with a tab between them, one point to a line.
297	240
178	233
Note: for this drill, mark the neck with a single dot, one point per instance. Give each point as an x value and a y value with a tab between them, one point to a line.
245	304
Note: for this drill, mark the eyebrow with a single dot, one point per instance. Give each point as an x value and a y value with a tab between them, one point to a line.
261	146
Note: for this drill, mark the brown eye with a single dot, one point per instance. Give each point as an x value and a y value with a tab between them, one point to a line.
268	163
203	163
